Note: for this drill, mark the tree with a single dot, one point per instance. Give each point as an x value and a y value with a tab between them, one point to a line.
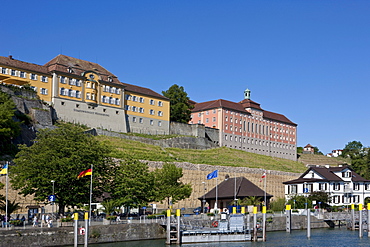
317	151
353	150
300	202
320	196
12	207
180	109
133	184
168	186
9	128
250	200
299	150
109	206
60	155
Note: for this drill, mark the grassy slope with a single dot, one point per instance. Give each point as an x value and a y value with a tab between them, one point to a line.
218	156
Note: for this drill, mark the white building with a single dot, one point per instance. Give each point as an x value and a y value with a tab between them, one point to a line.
335	153
344	186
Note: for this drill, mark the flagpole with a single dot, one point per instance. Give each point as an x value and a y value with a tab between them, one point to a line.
6	195
90	194
216	206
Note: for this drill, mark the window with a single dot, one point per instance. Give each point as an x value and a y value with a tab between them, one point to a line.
356	186
207	120
104	99
152	102
367	186
214	119
160	103
199	114
141	100
207	112
88	96
128	97
78	83
214	111
78	94
106	89
323	186
225	137
292	189
4	71
62	79
159	123
113	90
72	81
141	110
336	199
44	78
356	199
134	108
62	91
160	113
127	107
346	174
141	120
44	91
336	186
22	74
111	100
13	72
134	119
134	98
152	112
117	101
151	122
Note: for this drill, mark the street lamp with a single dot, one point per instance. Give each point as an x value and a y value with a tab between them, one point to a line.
53	199
204	196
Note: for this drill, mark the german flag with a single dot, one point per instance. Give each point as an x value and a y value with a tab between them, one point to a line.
85	173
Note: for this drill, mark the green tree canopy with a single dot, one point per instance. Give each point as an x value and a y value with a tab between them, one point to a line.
8	127
60	155
133	184
168	186
353	150
180	108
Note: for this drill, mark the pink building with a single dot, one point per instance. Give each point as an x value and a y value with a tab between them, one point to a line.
246	126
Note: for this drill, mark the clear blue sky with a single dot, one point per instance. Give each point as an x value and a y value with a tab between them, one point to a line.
308	60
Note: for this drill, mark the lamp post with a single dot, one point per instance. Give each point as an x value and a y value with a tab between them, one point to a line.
204	196
52	181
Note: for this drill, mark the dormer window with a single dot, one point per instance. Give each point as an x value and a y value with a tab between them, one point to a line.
70	70
110	79
346	174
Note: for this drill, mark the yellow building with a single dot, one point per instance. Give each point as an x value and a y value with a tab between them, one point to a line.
85	92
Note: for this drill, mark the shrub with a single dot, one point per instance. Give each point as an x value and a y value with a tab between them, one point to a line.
67	219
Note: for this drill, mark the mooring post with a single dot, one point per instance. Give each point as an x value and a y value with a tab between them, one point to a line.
255	227
353	216
234	210
178	213
168	226
288	217
75	229
87	230
360	233
368	220
264	223
308	222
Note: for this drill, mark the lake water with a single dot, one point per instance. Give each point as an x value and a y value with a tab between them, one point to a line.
319	238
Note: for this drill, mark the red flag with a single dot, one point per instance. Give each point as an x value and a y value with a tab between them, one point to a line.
84	173
263	176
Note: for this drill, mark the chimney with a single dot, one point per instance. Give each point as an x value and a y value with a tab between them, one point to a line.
11	57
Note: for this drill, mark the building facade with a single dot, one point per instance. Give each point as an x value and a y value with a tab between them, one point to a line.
248	127
86	93
343	185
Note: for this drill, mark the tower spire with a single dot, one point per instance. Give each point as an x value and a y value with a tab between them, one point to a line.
247	94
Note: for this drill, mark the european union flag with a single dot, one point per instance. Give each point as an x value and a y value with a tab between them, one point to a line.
213	174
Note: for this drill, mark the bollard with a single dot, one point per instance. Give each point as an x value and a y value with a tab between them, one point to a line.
308	223
168	227
75	217
368	220
353	216
288	217
178	213
87	230
234	210
243	210
264	223
255	227
360	220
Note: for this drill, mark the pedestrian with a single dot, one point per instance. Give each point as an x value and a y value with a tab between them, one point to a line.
34	221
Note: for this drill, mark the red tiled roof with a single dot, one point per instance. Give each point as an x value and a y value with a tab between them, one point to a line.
61	63
220	103
11	62
142	90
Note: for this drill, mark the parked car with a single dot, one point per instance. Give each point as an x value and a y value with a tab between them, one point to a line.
198	210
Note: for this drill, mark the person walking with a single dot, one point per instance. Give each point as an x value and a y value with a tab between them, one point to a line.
34	221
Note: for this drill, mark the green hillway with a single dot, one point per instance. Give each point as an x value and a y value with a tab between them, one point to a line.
123	148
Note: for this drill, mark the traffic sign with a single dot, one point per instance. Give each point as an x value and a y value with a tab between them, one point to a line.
51	198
